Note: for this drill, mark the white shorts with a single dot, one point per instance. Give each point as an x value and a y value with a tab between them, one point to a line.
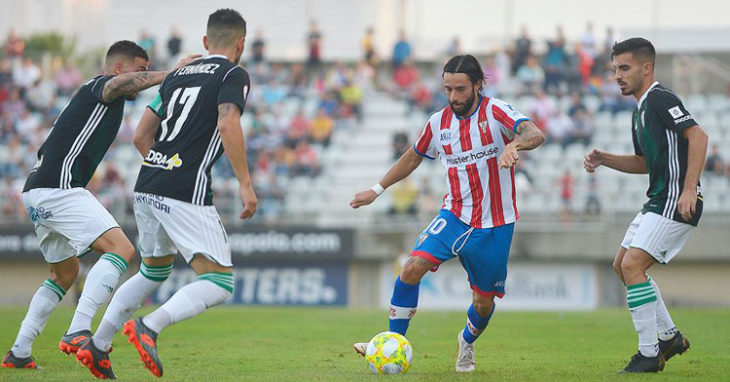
167	226
67	221
659	236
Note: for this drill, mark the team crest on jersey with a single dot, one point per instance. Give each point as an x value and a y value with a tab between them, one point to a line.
675	112
158	160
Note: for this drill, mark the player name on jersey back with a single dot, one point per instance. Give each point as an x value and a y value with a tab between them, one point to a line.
188	142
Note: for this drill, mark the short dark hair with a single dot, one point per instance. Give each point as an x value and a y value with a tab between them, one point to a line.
467	64
225	26
641	48
128	49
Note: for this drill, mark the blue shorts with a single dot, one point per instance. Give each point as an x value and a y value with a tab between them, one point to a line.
483	252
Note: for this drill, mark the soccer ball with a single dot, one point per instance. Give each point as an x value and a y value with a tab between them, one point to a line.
389	353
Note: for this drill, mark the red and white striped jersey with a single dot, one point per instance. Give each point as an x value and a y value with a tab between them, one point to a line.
480	193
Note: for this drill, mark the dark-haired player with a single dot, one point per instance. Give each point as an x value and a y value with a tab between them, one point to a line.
68	219
478	140
183	132
671	148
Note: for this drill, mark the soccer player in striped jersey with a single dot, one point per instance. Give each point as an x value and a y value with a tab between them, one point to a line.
68	220
671	148
183	132
477	139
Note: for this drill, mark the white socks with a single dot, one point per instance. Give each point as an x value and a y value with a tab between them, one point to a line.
191	300
665	326
44	301
100	283
125	302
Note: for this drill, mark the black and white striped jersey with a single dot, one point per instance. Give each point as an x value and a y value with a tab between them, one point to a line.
188	142
78	139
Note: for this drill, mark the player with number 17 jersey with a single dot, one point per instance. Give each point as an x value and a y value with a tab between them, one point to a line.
188	142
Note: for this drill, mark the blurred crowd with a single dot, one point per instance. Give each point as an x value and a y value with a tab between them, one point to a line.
295	108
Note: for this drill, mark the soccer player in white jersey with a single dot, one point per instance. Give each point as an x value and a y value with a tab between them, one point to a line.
478	140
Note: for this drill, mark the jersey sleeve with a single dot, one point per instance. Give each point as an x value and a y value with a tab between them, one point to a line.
156	105
97	87
425	145
507	116
234	88
670	111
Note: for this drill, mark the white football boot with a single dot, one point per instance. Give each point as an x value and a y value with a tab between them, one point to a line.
465	358
360	348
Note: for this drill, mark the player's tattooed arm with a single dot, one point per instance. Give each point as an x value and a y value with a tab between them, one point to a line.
528	137
130	83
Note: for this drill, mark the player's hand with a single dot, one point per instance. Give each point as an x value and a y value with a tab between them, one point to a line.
592	160
687	204
186	60
250	203
363	198
509	157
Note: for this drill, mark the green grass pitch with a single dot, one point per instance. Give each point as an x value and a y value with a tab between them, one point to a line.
314	344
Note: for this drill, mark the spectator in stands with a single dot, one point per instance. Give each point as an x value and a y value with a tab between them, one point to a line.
14	47
148	43
400	144
401	50
493	74
405	198
588	41
368	47
576	104
320	128
523	49
174	45
314	47
559	129
298	129
307	162
271	195
7	127
453	48
258	48
714	164
530	75
583	127
421	98
27	124
6	74
566	195
404	76
26	75
555	60
351	97
585	63
542	110
67	79
593	204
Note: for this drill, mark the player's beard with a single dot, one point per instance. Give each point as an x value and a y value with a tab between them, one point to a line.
467	106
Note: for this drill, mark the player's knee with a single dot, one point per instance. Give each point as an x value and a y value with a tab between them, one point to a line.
483	305
124	249
412	273
629	267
